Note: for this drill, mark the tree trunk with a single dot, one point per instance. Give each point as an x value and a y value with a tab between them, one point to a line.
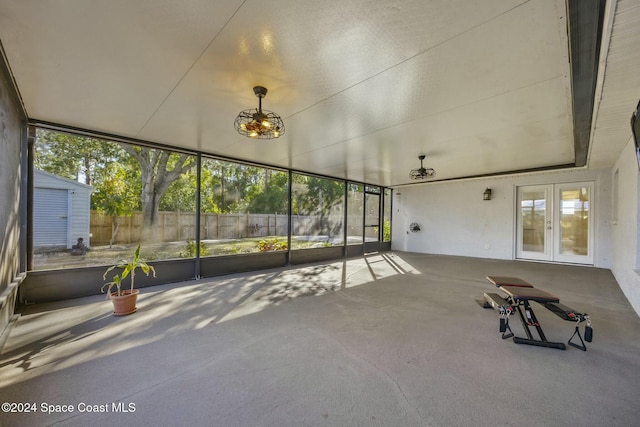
115	226
156	178
150	206
87	169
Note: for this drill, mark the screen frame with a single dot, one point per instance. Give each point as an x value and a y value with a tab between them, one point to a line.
635	130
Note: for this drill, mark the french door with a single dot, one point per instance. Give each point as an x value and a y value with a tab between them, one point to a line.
555	223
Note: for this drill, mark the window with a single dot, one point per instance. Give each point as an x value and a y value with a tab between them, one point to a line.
372	216
108	198
96	200
318	212
244	208
386	216
355	213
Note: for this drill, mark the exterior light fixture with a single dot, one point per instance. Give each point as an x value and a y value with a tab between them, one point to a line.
422	172
258	123
487	194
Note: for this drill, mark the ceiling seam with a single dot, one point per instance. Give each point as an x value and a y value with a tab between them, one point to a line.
189	69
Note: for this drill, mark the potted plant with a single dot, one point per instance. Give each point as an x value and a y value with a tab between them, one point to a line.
124	301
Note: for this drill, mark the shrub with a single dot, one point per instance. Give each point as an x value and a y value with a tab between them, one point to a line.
274	244
190	250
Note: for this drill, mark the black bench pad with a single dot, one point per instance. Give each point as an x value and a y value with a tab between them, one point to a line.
496	301
564	312
529	294
508	281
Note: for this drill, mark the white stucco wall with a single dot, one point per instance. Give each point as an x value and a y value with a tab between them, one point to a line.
624	233
455	220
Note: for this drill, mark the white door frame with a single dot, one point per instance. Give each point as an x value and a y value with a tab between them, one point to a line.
557	250
552	248
545	234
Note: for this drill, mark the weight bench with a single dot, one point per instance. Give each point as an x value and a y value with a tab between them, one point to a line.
518	294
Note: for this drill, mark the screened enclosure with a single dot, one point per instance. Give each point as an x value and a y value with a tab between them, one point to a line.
191	209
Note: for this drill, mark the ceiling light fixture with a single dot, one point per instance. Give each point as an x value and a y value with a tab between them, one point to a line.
422	172
259	123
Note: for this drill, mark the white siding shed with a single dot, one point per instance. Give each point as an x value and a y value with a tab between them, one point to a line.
61	211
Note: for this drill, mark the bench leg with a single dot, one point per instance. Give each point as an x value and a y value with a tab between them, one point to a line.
528	320
539	343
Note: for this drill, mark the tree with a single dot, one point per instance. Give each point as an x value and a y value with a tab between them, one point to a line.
126	178
115	197
274	194
141	172
71	156
181	194
158	170
230	186
322	197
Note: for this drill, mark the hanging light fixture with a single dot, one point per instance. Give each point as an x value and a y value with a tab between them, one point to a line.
259	123
422	172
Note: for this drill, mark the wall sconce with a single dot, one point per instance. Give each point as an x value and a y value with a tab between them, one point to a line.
487	194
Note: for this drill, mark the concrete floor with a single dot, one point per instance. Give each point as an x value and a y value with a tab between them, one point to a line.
393	339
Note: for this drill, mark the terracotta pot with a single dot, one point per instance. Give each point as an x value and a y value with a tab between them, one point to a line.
125	303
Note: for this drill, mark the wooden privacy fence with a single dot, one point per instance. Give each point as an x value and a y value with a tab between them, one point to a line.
177	226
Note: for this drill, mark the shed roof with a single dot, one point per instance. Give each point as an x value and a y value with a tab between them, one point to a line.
65	182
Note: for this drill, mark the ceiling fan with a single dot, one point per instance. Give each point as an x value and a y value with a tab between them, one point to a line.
422	172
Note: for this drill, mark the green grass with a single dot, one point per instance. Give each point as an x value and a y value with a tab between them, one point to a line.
105	255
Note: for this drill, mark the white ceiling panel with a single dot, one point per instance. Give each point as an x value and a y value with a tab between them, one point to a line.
104	65
364	86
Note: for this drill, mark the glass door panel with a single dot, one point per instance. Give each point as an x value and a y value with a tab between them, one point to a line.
555	223
355	213
372	217
573	233
534	223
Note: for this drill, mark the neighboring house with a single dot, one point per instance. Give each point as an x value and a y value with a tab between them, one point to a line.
60	211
